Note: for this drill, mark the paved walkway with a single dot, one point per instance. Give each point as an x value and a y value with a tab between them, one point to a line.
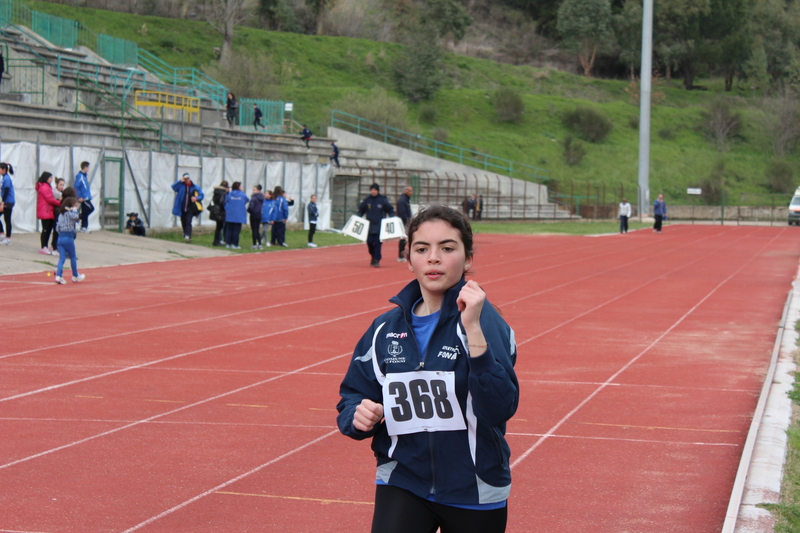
97	249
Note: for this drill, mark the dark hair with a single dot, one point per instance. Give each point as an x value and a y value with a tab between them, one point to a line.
7	167
223	183
445	214
67	202
237	185
69	192
84	164
59	180
277	192
44	177
258	187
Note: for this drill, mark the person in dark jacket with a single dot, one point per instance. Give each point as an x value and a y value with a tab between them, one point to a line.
404	212
432	382
186	193
280	215
335	154
313	216
218	199
374	208
135	226
84	191
257	115
231	108
254	209
305	136
659	213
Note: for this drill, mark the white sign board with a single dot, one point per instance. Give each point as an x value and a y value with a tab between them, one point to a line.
357	227
694	191
288	106
392	228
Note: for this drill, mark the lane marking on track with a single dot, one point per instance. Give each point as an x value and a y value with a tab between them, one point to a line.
167	413
166	422
641	354
164	401
230	481
244	405
185	354
614	439
669	428
320	500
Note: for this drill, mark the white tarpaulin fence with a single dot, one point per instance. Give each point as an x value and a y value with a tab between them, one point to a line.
147	179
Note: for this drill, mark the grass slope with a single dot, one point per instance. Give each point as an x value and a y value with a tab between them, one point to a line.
315	71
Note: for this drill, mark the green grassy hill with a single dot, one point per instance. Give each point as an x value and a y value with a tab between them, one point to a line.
315	71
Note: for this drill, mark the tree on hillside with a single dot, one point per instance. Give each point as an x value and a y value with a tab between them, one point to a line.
449	17
628	30
418	70
775	26
585	25
223	15
677	29
278	15
318	9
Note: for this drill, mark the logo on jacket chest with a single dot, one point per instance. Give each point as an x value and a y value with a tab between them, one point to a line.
449	352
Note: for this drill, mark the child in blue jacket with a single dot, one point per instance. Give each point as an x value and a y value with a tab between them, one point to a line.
432	383
8	199
235	215
267	216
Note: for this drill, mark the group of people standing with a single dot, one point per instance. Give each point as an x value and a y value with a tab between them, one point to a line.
266	212
473	207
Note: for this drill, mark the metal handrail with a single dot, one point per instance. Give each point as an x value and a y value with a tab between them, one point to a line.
439	149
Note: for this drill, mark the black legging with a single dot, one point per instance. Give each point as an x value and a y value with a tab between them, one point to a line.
7	208
48	225
312	228
255	227
399	511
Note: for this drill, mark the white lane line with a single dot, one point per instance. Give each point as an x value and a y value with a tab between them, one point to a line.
627	365
168	413
615	439
229	482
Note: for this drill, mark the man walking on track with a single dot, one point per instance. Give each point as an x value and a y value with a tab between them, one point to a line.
404	212
374	207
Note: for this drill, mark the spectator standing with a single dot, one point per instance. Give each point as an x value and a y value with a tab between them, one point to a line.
313	216
254	207
67	221
257	115
135	226
186	194
8	198
84	192
235	215
471	207
58	194
44	210
659	213
267	217
478	207
218	201
404	212
305	136
280	216
442	462
231	108
335	154
374	208
624	214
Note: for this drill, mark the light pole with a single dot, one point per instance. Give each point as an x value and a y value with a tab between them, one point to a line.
646	75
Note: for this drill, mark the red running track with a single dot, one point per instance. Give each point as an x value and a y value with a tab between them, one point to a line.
199	395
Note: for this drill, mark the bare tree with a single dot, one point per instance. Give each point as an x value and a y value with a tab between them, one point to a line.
781	123
223	15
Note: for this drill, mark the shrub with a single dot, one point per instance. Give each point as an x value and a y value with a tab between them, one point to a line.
720	123
589	123
633	122
441	135
418	70
427	114
574	150
666	134
780	178
713	185
377	105
509	105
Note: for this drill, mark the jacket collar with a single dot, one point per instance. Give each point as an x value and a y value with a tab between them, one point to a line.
411	293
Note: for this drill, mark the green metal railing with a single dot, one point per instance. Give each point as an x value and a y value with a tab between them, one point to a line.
184	77
272	121
28	78
438	149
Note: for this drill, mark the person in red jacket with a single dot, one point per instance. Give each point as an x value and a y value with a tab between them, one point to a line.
45	202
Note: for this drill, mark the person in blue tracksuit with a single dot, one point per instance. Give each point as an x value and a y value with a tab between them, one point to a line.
280	216
267	217
659	213
374	208
8	199
186	193
432	382
84	191
235	215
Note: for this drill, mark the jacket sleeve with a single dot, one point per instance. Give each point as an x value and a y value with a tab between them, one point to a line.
47	194
199	192
362	208
176	185
359	383
492	380
388	207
